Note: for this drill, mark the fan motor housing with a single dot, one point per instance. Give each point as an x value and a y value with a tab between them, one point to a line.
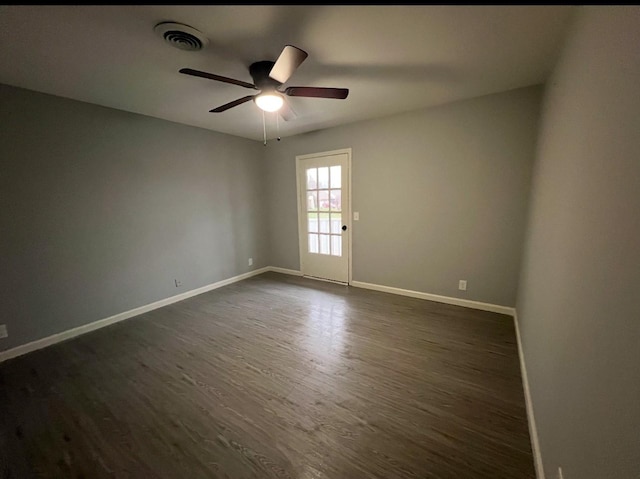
259	71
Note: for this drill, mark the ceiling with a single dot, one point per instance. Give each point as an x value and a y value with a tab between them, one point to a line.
391	58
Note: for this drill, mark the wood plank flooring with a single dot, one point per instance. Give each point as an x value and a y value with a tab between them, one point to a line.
273	377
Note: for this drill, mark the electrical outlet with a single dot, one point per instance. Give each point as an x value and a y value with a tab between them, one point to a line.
250	261
462	285
178	283
560	475
3	331
356	216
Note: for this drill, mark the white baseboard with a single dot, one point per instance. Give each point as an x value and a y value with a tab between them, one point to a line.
533	430
467	303
101	323
292	272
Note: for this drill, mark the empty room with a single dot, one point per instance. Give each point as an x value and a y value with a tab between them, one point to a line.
320	242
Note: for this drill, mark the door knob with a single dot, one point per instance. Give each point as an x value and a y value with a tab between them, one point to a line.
344	227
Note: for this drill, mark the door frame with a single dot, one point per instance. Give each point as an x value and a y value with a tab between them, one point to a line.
348	216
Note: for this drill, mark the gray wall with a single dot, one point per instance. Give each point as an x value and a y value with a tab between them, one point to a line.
442	195
578	304
102	209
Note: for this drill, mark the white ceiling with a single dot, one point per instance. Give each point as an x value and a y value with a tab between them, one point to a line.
392	58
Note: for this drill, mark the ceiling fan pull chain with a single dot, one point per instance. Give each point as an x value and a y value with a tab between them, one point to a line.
264	129
277	125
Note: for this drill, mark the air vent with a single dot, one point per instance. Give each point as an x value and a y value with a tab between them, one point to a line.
181	36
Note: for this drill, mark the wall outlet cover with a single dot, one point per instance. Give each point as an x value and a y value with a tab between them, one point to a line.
462	285
3	331
178	283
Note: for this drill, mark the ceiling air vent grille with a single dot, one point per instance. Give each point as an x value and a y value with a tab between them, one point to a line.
181	36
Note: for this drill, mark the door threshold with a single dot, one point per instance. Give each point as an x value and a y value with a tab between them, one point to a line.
343	283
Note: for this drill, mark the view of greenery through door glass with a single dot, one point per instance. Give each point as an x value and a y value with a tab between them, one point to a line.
324	210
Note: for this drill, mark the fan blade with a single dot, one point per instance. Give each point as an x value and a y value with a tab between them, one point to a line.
231	104
286	112
211	76
287	63
317	92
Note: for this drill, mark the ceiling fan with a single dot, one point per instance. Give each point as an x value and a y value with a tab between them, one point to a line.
268	77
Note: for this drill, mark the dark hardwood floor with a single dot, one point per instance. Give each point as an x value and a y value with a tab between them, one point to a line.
274	376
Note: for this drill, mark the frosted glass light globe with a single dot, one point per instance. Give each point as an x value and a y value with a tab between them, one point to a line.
269	101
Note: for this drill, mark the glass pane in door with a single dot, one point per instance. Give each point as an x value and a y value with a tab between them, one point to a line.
312	200
313	243
323	177
312	222
324	223
324	244
323	200
335	200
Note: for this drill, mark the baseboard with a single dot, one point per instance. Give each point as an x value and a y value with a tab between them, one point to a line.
101	323
292	272
533	430
467	303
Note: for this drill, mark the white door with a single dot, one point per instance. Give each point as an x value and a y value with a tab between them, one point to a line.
323	214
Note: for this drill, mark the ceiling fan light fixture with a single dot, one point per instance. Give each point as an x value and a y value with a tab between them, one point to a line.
267	77
270	101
